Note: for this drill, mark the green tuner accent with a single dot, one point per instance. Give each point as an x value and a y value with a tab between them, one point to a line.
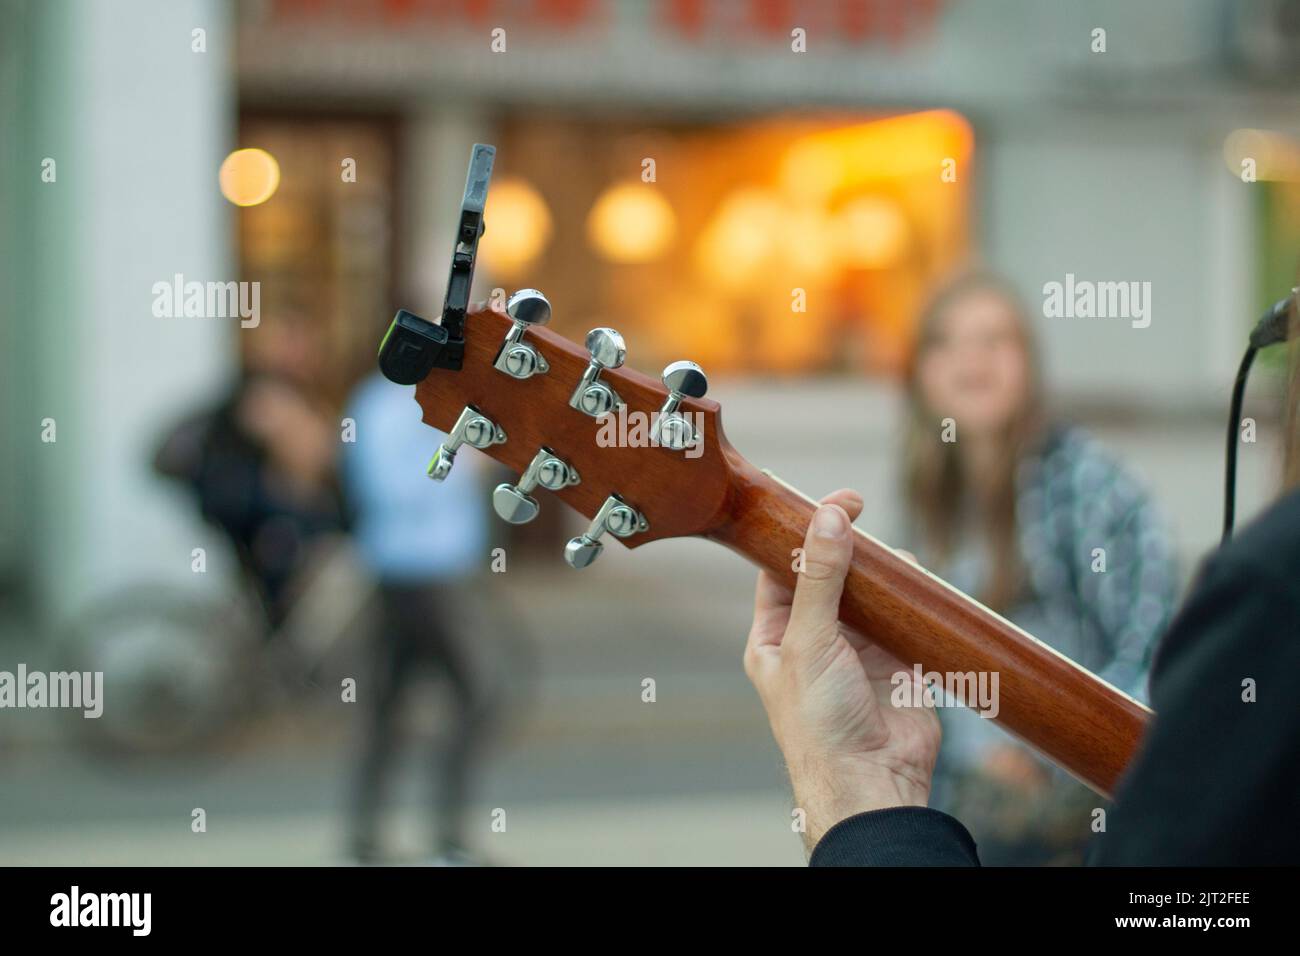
392	325
440	464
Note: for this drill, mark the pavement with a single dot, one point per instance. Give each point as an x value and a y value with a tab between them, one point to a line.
586	770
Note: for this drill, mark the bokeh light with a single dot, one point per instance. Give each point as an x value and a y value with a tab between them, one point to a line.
832	162
737	243
519	226
631	222
871	232
249	177
1276	156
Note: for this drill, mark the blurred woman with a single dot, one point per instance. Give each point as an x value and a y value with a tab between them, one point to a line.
1037	522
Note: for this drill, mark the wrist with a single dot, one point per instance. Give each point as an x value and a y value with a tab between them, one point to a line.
829	792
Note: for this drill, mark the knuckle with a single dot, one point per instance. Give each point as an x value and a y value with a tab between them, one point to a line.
751	659
821	567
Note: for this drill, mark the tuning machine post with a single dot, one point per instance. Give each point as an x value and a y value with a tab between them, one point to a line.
471	428
683	380
615	516
517	358
592	396
514	503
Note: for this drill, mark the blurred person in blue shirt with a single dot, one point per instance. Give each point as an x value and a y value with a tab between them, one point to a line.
425	542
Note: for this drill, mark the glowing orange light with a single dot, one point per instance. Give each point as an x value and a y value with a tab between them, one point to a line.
519	226
851	157
631	222
740	238
813	169
807	241
1272	156
871	232
249	177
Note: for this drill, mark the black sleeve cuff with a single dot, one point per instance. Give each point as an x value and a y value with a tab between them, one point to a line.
899	836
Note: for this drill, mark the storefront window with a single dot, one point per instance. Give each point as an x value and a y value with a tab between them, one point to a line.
767	246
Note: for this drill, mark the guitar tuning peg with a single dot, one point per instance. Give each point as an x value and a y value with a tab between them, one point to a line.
517	358
592	396
683	380
615	516
471	428
515	504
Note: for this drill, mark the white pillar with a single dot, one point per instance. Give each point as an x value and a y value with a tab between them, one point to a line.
138	123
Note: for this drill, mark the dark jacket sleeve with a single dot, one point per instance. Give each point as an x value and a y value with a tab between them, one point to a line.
899	836
1217	776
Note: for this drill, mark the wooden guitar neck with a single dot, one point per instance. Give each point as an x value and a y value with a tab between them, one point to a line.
1051	703
1057	707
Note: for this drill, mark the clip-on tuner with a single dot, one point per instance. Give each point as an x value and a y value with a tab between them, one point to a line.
413	346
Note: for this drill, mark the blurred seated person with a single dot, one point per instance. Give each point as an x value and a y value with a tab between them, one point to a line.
262	461
1036	521
425	542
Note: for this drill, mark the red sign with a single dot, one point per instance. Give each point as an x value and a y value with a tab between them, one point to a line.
853	21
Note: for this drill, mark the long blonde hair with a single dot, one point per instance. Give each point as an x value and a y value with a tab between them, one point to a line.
934	486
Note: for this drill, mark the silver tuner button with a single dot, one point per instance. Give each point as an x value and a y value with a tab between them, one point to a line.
514	503
517	358
615	516
471	428
683	380
592	396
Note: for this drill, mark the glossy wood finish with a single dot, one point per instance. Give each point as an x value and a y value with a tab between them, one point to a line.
1063	711
1066	713
679	495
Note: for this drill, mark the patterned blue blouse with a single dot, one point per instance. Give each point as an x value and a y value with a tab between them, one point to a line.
1101	578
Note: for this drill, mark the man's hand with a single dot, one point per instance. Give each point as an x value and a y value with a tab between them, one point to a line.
827	689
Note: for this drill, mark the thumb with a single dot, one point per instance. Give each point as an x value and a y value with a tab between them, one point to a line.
815	610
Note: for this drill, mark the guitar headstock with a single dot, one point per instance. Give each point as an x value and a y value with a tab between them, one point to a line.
574	424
